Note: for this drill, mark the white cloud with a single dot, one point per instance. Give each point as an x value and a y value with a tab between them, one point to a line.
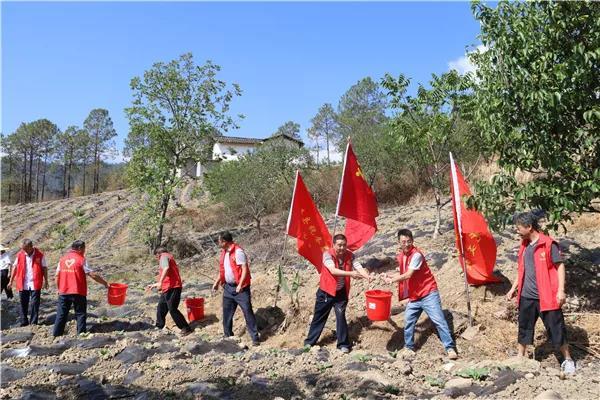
462	64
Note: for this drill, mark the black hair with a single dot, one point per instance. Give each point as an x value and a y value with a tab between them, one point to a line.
27	242
226	236
78	245
340	236
527	219
405	232
159	250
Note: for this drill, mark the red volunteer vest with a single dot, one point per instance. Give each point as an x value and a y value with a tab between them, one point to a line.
420	284
546	274
71	276
237	270
328	282
36	265
173	279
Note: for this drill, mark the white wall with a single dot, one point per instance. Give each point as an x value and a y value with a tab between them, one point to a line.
223	150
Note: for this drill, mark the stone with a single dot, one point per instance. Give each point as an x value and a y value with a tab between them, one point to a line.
457	387
471	332
529	375
133	354
548	395
71	368
521	364
448	366
10	374
16	337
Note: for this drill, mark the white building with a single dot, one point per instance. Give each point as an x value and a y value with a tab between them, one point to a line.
229	148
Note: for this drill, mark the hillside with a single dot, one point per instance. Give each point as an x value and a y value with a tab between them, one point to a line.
124	357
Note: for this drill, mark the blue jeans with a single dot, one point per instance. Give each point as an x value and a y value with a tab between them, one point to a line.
231	300
63	306
432	305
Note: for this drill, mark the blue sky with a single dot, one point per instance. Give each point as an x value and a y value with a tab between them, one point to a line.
61	60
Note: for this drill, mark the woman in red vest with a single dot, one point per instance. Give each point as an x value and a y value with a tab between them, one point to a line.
30	271
234	276
540	287
169	285
416	282
71	281
338	267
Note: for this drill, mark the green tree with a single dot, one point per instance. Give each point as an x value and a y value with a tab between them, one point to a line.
324	126
290	128
257	184
538	107
99	125
429	125
69	150
43	136
177	107
361	118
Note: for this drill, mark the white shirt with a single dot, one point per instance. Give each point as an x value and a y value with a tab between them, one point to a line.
415	262
240	259
28	281
341	280
5	261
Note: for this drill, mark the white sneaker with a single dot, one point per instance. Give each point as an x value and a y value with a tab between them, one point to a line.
568	366
452	354
345	350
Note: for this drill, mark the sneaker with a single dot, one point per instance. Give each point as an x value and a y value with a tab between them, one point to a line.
407	353
345	350
568	366
452	354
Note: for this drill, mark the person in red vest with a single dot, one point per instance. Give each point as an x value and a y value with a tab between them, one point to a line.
234	276
30	272
416	282
540	287
71	281
169	284
339	265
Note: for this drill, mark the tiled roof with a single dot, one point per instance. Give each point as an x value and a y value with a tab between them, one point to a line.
239	140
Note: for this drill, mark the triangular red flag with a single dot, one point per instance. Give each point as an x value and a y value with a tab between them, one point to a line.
306	224
357	203
473	237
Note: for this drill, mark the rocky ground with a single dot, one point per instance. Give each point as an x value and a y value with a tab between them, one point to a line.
123	356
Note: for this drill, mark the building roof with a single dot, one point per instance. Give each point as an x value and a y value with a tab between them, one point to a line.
285	136
236	140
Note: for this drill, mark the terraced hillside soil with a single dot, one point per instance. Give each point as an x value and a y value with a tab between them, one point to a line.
123	356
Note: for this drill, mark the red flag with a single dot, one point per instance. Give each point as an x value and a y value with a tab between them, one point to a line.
473	238
357	203
306	224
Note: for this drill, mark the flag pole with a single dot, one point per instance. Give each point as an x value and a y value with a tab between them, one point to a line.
456	201
337	207
285	240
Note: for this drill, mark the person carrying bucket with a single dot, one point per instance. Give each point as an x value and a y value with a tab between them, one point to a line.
169	284
71	281
416	282
234	276
339	266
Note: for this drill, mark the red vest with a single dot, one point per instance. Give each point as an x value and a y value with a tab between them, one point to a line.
173	279
36	265
546	274
420	284
328	282
237	270
71	276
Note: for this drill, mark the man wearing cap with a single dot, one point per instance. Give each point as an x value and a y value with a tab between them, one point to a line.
234	276
169	284
71	281
5	266
30	272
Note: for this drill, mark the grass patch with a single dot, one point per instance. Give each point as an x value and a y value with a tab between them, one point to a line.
477	374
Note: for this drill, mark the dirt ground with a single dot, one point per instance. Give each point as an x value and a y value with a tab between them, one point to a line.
123	356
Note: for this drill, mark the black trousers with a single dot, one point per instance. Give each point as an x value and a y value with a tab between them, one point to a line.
63	306
4	278
168	303
323	305
231	300
30	303
554	321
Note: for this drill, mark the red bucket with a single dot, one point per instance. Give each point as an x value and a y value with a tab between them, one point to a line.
117	292
379	304
195	308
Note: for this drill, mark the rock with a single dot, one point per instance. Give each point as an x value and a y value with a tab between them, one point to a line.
521	364
96	342
131	376
471	332
16	337
133	354
71	368
9	374
529	375
457	387
548	395
448	366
